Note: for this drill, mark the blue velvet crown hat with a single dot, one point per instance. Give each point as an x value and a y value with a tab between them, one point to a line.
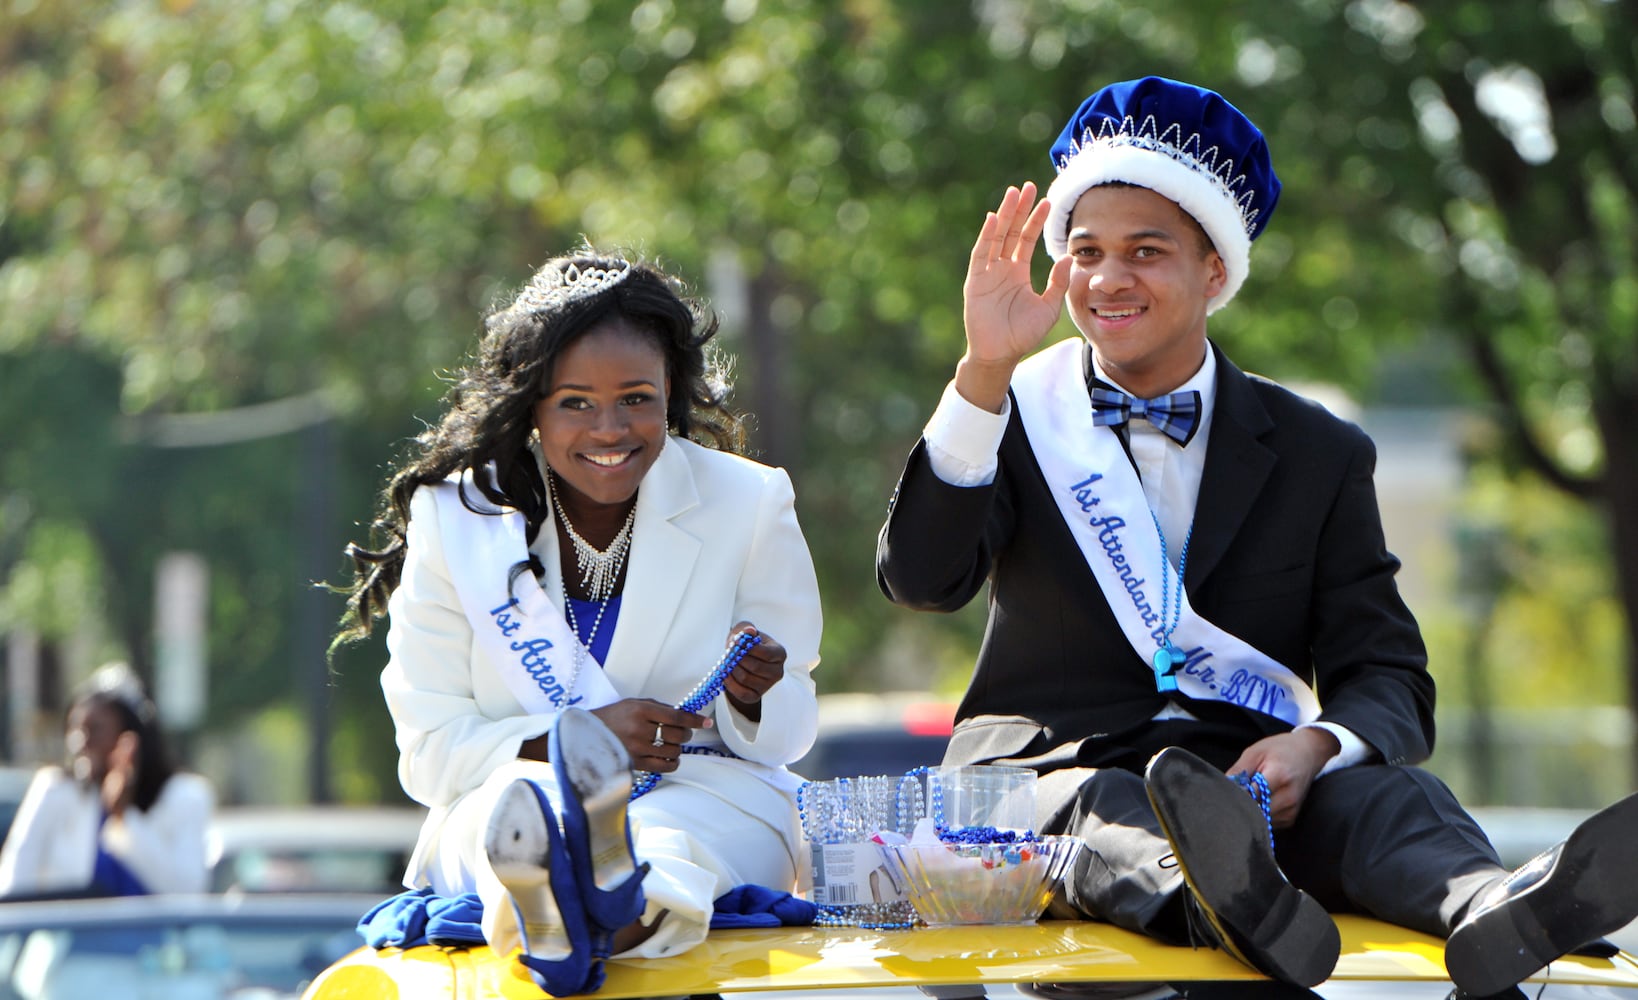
1178	140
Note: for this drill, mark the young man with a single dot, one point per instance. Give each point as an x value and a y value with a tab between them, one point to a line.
1190	594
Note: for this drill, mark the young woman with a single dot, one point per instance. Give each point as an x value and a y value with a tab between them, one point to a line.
568	554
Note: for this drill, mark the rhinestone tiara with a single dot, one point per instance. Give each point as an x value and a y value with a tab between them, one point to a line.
1209	163
559	284
119	682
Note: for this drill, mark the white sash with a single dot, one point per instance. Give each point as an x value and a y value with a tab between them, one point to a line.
525	636
1101	499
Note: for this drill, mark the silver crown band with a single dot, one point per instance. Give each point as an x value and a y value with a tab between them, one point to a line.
557	286
1209	162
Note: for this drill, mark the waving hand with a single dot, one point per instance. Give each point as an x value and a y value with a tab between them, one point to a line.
1004	316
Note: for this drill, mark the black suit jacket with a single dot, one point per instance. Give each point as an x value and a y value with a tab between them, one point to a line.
1287	554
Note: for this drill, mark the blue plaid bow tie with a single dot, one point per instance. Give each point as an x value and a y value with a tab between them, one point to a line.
1177	414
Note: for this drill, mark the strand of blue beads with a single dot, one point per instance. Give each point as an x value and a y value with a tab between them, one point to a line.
1257	786
703	694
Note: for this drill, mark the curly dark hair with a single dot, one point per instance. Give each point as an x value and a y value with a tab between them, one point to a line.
489	411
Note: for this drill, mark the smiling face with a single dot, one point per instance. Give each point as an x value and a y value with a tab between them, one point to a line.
1142	275
602	420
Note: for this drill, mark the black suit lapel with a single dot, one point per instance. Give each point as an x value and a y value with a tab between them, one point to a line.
1237	466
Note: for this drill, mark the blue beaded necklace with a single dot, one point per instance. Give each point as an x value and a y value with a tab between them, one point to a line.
1169	658
1257	786
703	694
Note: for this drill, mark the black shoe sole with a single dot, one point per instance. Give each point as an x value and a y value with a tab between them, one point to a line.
1220	839
1590	890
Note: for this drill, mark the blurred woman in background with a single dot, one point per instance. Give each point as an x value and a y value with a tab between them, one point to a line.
119	820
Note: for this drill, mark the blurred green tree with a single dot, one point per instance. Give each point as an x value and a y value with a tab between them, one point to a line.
240	243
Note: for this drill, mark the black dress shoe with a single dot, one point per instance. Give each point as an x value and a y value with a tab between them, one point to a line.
1221	841
1558	901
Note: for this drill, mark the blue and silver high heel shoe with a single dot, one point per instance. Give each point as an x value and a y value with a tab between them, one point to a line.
561	949
594	775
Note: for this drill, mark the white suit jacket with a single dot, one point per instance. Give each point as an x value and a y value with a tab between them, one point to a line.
715	542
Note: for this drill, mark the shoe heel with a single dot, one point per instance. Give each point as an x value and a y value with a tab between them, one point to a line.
532	863
1493	954
1220	841
594	774
1575	892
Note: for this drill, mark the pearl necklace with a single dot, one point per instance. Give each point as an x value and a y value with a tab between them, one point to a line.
599	579
599	568
580	648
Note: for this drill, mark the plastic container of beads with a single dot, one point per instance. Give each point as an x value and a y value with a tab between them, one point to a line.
983	795
980	883
845	820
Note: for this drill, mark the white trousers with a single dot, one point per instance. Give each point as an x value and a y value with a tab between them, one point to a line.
699	844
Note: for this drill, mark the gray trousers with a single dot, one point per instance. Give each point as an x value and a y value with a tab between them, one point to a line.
1386	841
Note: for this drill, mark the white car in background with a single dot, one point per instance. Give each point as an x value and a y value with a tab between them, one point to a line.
356	849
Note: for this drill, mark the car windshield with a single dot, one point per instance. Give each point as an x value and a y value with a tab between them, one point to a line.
204	958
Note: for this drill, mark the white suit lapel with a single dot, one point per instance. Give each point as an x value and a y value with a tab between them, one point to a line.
661	564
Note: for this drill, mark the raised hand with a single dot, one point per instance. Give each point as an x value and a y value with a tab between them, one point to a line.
1005	317
119	783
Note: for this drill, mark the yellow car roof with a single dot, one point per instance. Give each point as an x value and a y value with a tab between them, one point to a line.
801	958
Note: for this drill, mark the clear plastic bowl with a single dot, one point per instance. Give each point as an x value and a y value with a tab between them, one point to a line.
992	883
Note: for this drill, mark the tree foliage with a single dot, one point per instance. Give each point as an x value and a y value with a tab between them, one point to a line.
227	225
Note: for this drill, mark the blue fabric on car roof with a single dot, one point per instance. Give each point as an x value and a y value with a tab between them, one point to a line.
418	917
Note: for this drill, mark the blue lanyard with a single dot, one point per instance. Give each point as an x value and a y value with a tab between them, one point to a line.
1169	658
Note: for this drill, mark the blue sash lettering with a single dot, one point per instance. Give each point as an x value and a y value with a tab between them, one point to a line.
533	655
1192	660
503	620
1083	496
1109	537
1258	693
532	648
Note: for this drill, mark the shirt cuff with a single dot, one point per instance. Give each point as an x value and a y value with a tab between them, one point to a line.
1354	750
963	440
